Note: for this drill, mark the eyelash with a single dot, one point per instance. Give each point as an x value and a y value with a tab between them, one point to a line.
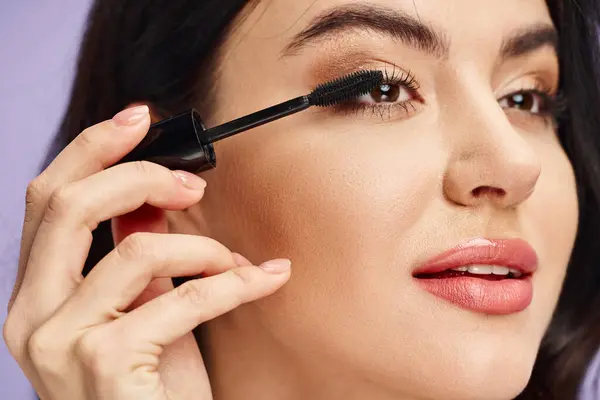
397	77
552	106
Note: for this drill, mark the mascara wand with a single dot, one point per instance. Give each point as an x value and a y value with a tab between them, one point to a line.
182	142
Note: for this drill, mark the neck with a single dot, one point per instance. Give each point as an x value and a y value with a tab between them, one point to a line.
245	362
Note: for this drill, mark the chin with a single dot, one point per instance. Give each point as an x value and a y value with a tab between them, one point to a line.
492	372
483	365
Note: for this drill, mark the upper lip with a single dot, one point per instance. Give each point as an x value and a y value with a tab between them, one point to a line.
512	253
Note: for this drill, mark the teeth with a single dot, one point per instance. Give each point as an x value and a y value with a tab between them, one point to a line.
500	270
488	270
480	269
516	273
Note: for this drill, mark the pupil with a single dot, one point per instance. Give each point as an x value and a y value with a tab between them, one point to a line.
386	92
522	101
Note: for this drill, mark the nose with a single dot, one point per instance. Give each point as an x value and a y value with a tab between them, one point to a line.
495	165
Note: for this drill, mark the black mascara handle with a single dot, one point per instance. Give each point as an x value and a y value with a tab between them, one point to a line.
176	143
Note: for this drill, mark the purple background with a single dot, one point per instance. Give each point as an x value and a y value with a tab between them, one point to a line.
38	47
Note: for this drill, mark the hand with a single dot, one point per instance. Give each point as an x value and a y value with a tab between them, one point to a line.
123	331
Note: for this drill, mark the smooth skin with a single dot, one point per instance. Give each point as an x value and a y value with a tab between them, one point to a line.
120	333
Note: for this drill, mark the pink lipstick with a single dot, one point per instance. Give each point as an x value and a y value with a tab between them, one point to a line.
490	276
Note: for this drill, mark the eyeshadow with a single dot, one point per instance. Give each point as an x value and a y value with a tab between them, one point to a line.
338	63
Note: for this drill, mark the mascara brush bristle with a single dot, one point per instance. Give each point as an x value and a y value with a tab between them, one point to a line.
345	88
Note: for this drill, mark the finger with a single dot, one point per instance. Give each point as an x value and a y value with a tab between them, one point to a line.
182	366
93	150
64	236
169	317
125	273
151	219
144	219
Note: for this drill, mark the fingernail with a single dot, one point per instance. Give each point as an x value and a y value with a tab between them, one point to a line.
240	260
189	180
277	266
131	116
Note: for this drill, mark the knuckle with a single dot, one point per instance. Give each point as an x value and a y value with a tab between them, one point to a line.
88	346
43	347
86	138
195	292
59	204
135	246
92	136
11	333
144	168
96	352
48	353
240	285
240	277
91	146
34	195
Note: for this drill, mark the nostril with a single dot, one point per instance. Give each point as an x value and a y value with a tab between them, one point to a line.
481	191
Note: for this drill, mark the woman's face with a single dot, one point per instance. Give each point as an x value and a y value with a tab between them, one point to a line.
457	149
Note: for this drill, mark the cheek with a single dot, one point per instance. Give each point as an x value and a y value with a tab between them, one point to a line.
552	215
331	197
339	205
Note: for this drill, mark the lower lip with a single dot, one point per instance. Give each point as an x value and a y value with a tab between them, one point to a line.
500	297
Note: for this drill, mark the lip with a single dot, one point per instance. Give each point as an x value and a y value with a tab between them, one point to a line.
499	297
511	253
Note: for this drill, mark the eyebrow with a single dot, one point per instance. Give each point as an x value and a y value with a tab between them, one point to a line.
529	40
388	21
411	31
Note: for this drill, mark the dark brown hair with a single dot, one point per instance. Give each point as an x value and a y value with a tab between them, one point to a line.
159	52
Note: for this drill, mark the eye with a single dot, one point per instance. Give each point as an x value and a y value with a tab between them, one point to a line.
530	101
387	93
397	97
